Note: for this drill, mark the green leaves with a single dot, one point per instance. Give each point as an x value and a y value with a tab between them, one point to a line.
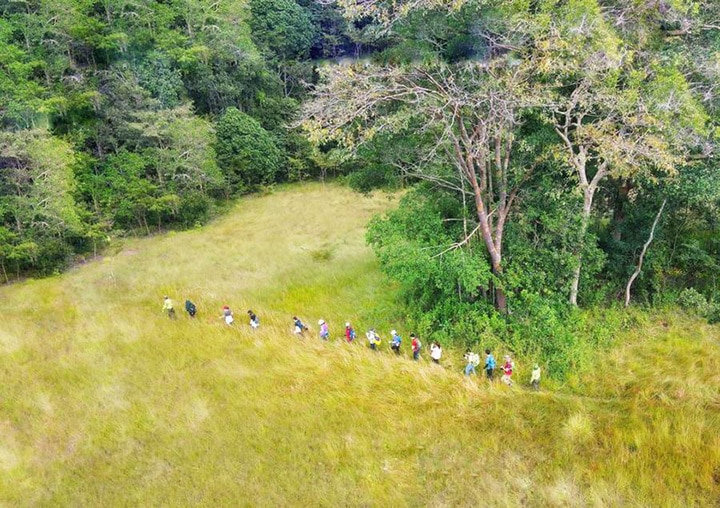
246	153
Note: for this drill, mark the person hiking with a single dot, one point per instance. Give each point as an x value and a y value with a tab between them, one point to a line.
436	352
299	327
190	308
395	341
535	378
473	360
416	345
254	321
349	333
508	370
227	315
489	364
373	339
324	330
168	307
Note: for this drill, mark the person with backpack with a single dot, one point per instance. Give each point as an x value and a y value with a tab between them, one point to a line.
373	339
254	321
535	378
395	341
324	330
227	315
168	307
473	360
349	333
508	370
190	308
299	327
489	364
436	352
416	345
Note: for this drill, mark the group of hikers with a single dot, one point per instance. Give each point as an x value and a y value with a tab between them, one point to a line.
374	340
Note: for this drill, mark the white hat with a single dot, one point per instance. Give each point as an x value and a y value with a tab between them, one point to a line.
393	332
347	324
320	322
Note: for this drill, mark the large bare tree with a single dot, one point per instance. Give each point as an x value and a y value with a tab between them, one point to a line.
471	112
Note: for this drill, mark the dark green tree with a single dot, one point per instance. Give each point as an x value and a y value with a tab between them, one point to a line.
246	153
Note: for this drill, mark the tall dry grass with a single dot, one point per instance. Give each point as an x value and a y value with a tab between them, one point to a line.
105	402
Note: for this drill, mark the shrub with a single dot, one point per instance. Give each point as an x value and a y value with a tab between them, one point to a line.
692	300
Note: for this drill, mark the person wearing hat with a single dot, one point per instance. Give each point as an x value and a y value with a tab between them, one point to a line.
535	378
508	370
395	341
168	307
227	315
349	332
324	330
436	352
373	339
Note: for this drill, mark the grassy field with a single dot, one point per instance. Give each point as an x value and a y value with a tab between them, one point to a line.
106	402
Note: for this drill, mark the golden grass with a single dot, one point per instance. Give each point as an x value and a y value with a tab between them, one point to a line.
106	402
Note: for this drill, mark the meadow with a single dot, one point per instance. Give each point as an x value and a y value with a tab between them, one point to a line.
104	401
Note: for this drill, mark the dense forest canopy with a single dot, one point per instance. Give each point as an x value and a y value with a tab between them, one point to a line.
564	154
123	117
556	153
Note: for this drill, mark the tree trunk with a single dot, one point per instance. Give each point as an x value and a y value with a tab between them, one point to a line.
642	254
621	197
500	301
587	207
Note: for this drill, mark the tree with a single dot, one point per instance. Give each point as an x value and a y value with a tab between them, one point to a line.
470	111
246	153
283	27
616	112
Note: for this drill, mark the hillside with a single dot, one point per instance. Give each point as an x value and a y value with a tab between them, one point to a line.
104	401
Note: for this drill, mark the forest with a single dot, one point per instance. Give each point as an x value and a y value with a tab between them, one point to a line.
552	155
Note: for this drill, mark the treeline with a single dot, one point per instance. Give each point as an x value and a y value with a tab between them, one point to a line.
126	116
556	149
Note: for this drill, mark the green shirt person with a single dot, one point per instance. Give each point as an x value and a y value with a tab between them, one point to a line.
168	307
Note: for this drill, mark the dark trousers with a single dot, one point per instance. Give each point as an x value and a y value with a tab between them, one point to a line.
489	373
416	355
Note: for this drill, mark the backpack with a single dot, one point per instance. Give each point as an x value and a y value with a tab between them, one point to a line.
475	359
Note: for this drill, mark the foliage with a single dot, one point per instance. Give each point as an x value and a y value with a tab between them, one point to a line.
246	153
129	94
283	27
600	116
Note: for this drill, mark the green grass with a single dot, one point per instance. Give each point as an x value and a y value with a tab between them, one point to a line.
106	402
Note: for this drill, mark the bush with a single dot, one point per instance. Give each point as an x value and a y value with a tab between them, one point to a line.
713	313
692	300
